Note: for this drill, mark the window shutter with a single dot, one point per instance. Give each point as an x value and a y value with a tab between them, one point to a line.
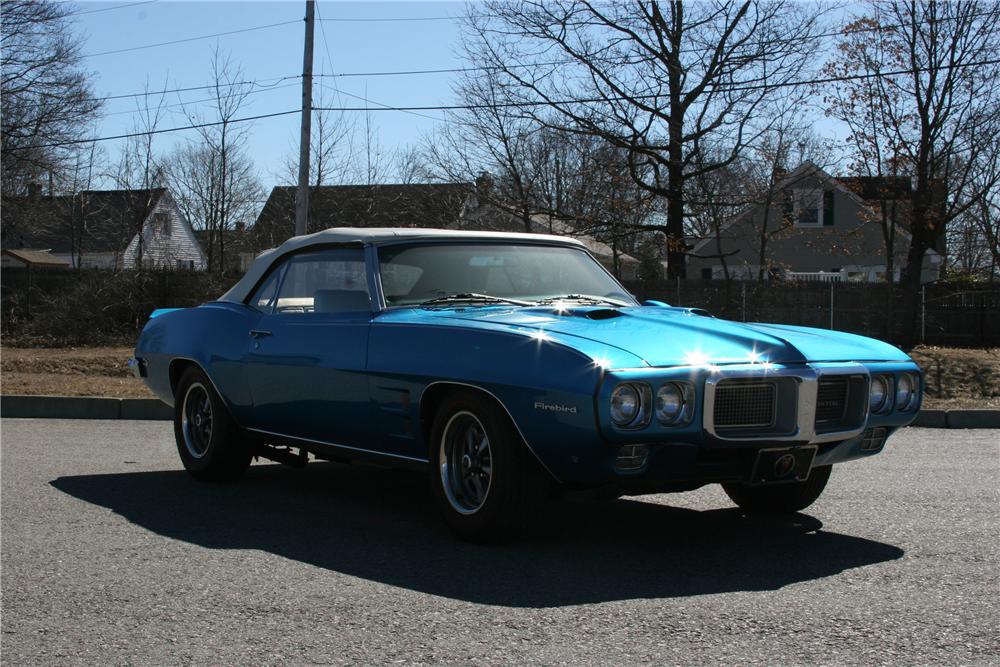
789	207
828	208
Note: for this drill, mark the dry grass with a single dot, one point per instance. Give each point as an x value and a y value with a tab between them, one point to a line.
956	378
97	371
960	378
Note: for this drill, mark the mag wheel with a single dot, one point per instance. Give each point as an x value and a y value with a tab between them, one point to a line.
780	498
484	480
207	439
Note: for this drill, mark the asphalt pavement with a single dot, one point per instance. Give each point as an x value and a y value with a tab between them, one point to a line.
111	554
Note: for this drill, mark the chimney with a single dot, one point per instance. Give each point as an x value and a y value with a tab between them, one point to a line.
484	188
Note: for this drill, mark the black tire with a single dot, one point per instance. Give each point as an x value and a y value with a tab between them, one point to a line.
516	485
208	440
780	498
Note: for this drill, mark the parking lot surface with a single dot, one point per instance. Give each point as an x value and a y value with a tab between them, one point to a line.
113	555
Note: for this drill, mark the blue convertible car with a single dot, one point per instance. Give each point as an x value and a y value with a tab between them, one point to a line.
509	364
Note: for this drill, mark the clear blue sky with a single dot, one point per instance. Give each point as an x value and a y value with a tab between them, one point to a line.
269	54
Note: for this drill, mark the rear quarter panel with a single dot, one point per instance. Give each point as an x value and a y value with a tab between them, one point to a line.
215	336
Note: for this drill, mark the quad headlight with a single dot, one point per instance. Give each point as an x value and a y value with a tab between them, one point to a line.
906	391
878	397
626	405
670	403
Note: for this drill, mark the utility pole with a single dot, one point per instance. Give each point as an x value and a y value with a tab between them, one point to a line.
302	192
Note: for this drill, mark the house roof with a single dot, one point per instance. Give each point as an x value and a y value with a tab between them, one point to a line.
241	290
40	258
429	205
106	220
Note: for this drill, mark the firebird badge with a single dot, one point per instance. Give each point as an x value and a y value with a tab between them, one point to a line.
555	407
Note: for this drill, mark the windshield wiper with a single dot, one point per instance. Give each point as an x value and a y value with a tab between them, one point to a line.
472	297
585	298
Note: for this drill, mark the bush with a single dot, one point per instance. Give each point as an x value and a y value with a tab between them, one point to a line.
98	307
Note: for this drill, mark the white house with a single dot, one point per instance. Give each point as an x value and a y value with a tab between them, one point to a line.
105	229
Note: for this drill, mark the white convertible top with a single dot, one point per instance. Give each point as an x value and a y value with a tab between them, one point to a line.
370	235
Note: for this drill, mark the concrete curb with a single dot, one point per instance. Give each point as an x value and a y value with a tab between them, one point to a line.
93	407
83	407
932	419
973	418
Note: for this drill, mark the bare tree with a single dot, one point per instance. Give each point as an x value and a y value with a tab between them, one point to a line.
46	100
976	239
194	173
489	138
936	90
767	185
330	145
81	210
138	172
666	82
220	155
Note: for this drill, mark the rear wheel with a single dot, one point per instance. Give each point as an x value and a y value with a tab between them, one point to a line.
484	480
780	498
207	439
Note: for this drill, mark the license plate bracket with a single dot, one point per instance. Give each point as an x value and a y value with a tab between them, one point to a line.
782	465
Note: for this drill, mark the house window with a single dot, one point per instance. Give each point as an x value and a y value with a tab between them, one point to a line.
185	264
161	223
808	205
706	273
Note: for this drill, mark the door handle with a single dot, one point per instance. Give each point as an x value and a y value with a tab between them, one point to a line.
258	333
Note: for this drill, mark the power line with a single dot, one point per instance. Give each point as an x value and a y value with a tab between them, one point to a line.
338	91
387	107
447	70
190	39
189	102
400	19
567	61
108	9
151	93
455	107
193	126
596	100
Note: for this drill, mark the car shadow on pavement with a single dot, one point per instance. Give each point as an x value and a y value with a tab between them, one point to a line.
381	525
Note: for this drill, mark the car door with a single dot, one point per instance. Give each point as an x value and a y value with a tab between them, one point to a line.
307	355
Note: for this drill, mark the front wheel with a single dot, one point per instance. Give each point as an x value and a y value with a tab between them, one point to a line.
484	480
207	439
780	498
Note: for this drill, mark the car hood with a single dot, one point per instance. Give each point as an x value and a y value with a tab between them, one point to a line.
665	336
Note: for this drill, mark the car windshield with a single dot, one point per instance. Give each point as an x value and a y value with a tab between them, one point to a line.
491	273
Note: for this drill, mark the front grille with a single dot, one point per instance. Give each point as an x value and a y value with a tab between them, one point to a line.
831	399
744	404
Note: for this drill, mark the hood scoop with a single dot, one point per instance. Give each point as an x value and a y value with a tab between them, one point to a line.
602	314
589	313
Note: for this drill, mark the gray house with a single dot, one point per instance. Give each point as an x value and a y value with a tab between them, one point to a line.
113	229
819	228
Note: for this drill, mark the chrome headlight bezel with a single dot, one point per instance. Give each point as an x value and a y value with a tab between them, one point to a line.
907	385
683	393
882	406
633	418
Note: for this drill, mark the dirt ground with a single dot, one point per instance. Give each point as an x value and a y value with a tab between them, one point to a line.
956	378
97	371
